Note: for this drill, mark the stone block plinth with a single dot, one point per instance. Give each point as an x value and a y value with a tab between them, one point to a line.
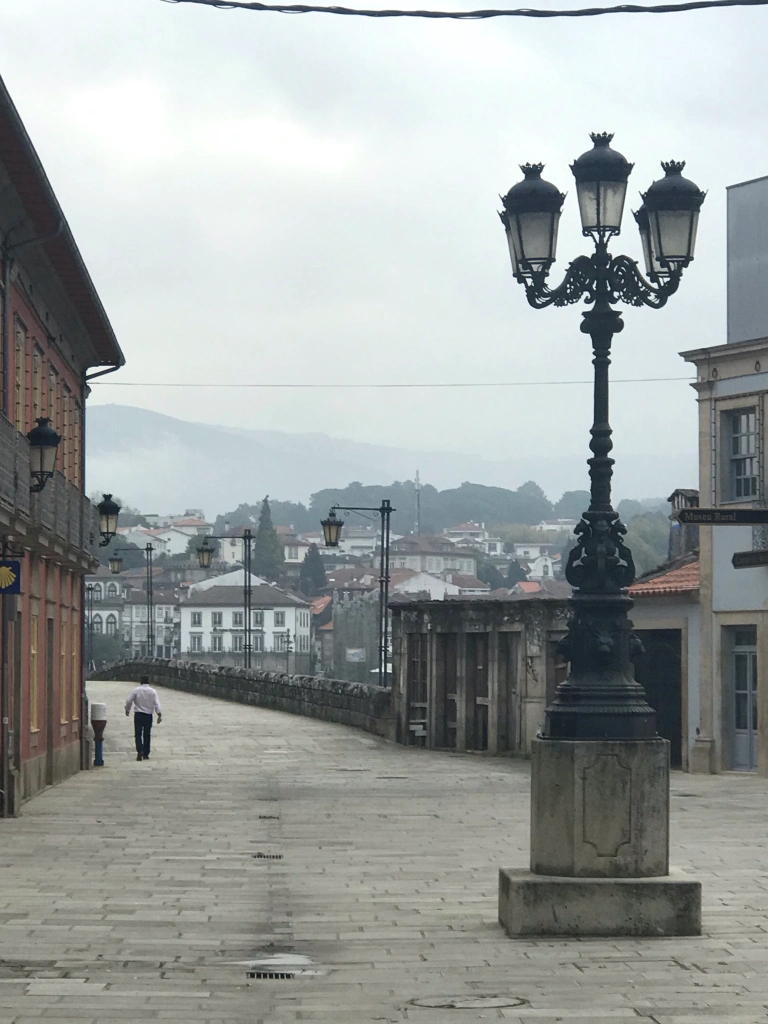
600	808
546	905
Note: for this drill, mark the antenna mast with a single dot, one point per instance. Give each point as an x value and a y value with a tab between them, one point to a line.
418	505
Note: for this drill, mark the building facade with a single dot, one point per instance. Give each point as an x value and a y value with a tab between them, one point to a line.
212	626
732	392
53	329
431	554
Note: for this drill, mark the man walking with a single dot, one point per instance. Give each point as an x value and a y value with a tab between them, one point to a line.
144	700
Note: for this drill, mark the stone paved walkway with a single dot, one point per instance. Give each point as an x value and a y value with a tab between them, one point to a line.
145	892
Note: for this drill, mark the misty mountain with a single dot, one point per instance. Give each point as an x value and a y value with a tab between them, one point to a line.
161	464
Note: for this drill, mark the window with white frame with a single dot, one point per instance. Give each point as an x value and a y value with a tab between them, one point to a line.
258	618
98	624
743	471
217	644
111	590
237	620
280	642
197	618
217	619
279	618
97	593
293	554
237	642
195	642
257	642
111	627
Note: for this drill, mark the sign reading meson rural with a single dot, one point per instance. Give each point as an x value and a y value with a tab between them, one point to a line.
10	577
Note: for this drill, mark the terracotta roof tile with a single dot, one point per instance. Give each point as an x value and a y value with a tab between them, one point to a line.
683	579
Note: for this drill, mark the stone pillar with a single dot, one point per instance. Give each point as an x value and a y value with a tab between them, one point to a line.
599	845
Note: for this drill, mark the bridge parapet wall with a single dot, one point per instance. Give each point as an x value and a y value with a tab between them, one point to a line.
361	705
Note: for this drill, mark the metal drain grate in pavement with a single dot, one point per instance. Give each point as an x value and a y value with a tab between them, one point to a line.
269	817
267	856
271	975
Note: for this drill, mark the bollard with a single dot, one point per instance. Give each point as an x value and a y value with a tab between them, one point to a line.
99	723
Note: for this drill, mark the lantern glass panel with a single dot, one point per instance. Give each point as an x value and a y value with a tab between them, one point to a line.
601	204
115	564
673	234
331	531
204	555
538	238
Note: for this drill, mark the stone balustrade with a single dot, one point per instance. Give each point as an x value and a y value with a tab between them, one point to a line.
361	705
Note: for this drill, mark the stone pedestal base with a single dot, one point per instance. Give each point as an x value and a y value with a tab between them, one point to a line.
547	905
600	808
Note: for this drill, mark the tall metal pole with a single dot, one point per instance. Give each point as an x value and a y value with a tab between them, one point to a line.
150	605
247	597
89	627
382	607
385	521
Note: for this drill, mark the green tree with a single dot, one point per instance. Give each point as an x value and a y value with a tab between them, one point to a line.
267	549
488	573
312	576
515	573
648	540
133	556
628	508
571	505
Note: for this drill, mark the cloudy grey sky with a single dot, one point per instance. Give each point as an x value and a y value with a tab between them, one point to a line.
273	198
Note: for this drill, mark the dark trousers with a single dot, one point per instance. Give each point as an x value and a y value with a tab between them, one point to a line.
142	727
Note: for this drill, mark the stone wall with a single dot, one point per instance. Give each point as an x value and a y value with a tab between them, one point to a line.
362	705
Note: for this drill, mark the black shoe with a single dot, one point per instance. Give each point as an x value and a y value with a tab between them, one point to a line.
146	757
139	757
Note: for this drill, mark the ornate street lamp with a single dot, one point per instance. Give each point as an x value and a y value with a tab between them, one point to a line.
598	766
116	564
108	510
332	534
600	567
43	444
332	529
205	554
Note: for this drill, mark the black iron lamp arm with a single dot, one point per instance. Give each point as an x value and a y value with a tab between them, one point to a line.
628	285
616	278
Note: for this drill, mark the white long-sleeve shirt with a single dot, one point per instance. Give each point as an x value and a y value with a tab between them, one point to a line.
144	698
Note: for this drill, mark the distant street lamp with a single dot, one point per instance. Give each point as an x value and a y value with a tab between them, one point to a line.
109	511
43	445
116	565
205	555
332	527
599	770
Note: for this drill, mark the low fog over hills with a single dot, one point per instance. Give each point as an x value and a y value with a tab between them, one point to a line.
161	464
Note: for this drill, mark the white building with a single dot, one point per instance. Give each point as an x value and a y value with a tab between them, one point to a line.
231	547
475	535
212	620
526	552
165	625
141	536
556	526
431	554
192	522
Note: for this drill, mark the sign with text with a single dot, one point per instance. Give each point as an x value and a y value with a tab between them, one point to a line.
355	654
10	577
723	516
749	559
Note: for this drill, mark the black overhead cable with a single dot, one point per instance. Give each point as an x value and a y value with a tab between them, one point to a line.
360	386
523	12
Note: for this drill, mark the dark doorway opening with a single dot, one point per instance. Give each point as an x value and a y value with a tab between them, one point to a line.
659	670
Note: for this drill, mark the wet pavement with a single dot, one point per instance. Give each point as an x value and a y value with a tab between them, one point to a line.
267	868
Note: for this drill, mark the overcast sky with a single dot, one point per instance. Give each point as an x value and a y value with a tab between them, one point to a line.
288	199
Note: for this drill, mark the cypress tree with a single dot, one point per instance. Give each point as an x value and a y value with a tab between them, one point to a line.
312	576
267	549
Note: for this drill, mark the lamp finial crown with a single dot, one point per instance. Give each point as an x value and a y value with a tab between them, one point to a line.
671	167
601	138
532	170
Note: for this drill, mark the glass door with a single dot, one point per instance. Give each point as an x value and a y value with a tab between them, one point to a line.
744	674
